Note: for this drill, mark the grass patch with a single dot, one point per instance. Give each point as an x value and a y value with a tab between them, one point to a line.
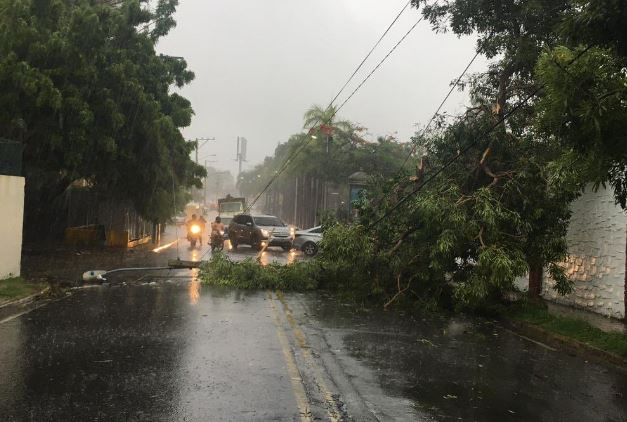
569	327
249	274
16	288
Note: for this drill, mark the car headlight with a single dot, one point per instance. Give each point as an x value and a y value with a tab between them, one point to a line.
265	232
292	231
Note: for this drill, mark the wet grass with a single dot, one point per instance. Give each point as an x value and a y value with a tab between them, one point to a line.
569	327
249	274
16	288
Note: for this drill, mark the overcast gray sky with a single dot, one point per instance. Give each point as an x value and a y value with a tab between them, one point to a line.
260	64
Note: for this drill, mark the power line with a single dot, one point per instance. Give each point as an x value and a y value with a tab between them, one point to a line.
380	63
335	111
277	173
437	111
370	52
469	147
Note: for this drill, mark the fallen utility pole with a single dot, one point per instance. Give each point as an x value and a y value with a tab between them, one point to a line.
174	264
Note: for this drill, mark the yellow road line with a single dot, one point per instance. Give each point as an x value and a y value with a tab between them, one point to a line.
331	405
292	369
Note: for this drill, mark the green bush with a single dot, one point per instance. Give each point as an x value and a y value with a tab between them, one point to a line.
250	274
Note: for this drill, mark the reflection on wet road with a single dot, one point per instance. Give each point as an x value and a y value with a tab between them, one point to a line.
181	249
458	369
165	352
165	347
67	266
171	349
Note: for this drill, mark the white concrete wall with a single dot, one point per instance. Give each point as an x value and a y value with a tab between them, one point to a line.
596	242
11	221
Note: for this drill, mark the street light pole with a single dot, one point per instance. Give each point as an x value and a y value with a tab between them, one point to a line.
242	146
197	147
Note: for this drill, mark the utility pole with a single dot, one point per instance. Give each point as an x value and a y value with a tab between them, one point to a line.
325	188
242	146
204	185
198	146
207	178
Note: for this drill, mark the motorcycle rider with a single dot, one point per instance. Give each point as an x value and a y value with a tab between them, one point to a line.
217	226
199	222
217	233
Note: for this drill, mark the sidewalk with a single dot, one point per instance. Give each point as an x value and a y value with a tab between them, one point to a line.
609	325
16	290
64	266
11	308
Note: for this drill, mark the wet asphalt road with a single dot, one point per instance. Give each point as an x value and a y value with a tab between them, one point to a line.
164	348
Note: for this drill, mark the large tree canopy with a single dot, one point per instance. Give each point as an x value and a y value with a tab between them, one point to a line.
584	107
89	98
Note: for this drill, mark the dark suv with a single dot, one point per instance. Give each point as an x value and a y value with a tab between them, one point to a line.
254	230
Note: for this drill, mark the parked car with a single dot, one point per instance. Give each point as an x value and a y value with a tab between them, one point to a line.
307	240
254	230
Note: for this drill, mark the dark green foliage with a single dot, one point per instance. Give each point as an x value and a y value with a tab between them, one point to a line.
585	108
88	97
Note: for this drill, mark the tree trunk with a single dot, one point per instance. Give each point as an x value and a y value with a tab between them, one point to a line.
535	281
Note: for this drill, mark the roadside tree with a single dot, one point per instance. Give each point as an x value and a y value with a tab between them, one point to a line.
90	100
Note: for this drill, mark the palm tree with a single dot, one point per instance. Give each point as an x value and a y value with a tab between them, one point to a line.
324	119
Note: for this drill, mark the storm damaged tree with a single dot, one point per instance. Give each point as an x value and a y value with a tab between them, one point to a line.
495	214
90	100
510	218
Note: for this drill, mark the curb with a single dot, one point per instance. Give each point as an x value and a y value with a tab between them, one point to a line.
25	300
15	308
569	344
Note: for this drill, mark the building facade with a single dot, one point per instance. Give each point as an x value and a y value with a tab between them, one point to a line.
11	221
597	241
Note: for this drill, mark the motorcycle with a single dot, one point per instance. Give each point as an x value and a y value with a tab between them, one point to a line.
194	234
217	241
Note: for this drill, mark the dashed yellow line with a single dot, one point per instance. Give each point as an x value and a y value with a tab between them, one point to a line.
292	369
301	340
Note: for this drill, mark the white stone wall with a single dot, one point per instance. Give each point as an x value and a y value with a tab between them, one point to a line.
11	221
596	242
